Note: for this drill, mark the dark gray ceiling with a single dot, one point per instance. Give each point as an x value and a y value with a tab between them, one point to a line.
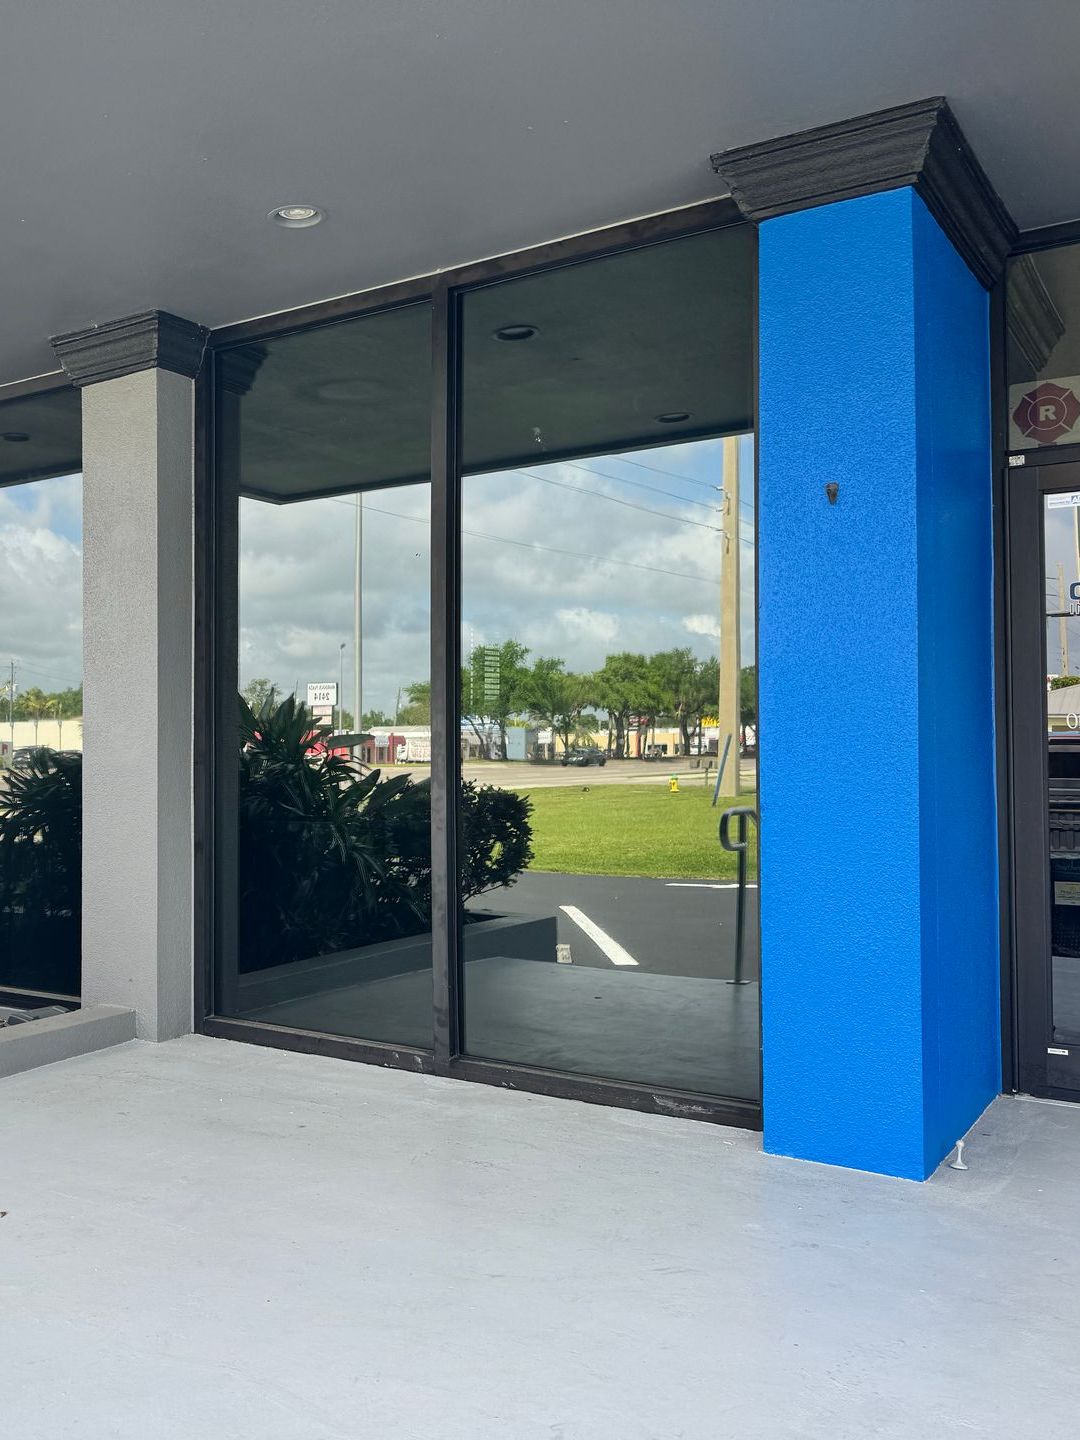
144	142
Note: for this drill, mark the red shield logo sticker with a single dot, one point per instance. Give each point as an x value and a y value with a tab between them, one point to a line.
1047	413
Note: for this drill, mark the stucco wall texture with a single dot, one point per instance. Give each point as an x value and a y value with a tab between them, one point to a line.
879	914
137	643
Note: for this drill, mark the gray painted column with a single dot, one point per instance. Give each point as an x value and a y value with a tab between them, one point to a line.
137	377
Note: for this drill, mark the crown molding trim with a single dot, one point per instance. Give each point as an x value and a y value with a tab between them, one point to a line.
919	144
151	340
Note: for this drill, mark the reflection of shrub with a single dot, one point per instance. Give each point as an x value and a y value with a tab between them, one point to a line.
332	859
496	837
41	873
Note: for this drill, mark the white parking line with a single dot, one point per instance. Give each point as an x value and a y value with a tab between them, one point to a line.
600	938
703	885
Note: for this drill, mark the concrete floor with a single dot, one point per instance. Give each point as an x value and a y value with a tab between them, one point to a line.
205	1240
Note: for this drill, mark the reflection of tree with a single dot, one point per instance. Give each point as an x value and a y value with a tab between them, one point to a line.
34	703
331	858
748	695
556	698
621	686
688	689
258	693
491	691
418	710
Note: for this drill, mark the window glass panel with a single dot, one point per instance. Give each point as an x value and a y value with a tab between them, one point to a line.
1061	591
609	686
40	698
1043	348
324	832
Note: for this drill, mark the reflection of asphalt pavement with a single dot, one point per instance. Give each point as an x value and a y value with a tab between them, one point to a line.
668	929
521	775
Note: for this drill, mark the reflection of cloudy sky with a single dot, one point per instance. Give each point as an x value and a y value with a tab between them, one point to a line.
296	591
630	557
41	582
573	559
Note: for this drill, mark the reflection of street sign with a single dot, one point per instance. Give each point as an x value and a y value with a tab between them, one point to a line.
322	696
486	660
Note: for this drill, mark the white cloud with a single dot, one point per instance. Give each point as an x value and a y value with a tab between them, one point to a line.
41	582
708	625
579	569
588	625
596	563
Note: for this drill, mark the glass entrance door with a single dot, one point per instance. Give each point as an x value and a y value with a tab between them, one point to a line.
1045	685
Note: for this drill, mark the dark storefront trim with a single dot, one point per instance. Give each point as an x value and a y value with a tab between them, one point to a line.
217	569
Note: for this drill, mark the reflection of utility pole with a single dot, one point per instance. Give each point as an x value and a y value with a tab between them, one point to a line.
1063	622
728	712
11	708
341	686
358	639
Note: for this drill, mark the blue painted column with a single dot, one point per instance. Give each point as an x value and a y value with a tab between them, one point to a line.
879	915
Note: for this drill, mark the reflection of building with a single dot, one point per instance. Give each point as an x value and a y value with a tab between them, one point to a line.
1063	708
401	744
56	735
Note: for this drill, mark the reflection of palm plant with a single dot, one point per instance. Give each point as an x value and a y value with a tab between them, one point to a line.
330	858
41	873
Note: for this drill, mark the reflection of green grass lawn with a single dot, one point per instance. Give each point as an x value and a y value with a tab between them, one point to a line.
634	830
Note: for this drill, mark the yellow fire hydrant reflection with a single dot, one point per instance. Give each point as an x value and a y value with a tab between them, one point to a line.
673	784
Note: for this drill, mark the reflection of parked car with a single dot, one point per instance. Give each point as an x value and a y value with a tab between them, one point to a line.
23	755
655	752
584	755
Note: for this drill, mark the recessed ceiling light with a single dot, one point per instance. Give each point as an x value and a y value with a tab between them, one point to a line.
15	437
296	217
516	332
673	417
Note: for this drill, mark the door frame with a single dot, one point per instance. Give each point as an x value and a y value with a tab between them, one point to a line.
1038	1072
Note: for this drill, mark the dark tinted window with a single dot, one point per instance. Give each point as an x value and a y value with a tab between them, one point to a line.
40	694
323	844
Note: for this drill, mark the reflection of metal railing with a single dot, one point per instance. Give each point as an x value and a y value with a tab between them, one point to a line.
744	814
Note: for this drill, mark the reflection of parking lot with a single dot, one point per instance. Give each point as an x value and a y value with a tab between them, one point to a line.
669	928
520	775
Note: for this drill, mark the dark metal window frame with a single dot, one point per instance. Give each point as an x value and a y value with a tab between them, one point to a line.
216	571
1023	870
1037	1071
35	385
